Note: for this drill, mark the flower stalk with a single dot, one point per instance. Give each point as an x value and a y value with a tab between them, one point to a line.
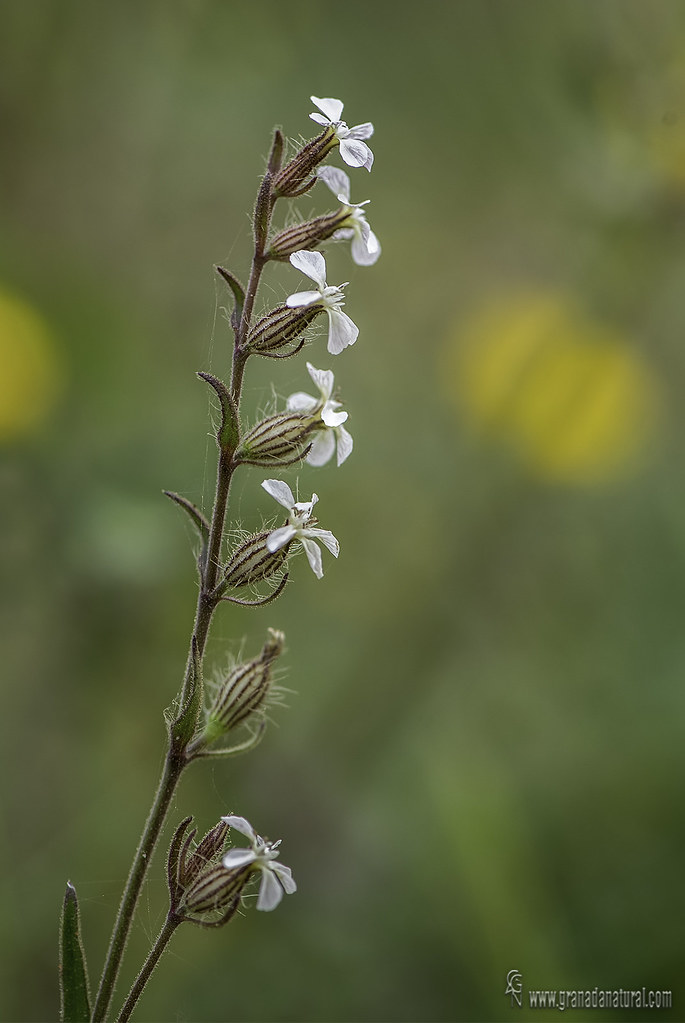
206	884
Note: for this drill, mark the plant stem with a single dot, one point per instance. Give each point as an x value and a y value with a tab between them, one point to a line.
141	980
176	760
167	783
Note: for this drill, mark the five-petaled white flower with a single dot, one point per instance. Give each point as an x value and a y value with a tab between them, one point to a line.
331	432
296	527
365	245
341	330
353	150
261	855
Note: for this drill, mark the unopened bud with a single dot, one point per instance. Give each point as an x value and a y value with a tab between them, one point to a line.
251	561
208	850
278	440
306	235
280	327
244	692
296	177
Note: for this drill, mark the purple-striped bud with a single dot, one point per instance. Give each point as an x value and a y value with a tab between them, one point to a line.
251	561
297	177
306	235
278	440
244	693
281	327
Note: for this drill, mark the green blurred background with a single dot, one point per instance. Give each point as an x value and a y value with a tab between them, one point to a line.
482	764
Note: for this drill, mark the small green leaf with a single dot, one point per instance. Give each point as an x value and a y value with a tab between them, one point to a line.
228	434
73	976
183	727
276	154
238	294
194	514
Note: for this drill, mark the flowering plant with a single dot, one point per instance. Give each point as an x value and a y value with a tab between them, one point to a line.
207	880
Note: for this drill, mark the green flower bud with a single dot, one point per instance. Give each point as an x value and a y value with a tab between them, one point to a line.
280	327
297	175
244	693
251	561
306	235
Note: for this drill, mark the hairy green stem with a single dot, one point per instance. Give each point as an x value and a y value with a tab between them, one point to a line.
165	790
176	759
153	958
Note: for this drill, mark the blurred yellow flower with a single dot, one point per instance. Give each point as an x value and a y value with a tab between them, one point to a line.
568	393
30	376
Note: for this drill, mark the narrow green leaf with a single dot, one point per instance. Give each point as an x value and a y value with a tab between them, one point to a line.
183	727
276	154
73	975
194	514
238	294
228	434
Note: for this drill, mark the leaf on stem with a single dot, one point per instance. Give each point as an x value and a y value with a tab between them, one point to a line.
182	728
73	975
276	154
228	434
195	515
238	294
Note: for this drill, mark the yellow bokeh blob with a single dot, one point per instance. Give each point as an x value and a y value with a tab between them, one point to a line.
566	392
30	376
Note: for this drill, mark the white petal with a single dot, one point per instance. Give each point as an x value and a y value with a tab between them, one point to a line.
331	417
343	234
337	180
356	153
270	891
285	876
302	298
279	538
322	448
326	538
235	858
280	491
324	380
320	119
301	402
365	253
332	108
306	507
313	556
342	331
361	131
345	444
373	245
312	264
243	826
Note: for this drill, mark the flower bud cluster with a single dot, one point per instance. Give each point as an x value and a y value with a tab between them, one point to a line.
202	890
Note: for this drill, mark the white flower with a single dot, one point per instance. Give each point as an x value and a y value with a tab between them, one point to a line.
365	245
297	529
276	878
331	433
341	330
354	152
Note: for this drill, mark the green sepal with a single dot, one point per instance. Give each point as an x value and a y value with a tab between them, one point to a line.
183	727
73	975
228	434
238	294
